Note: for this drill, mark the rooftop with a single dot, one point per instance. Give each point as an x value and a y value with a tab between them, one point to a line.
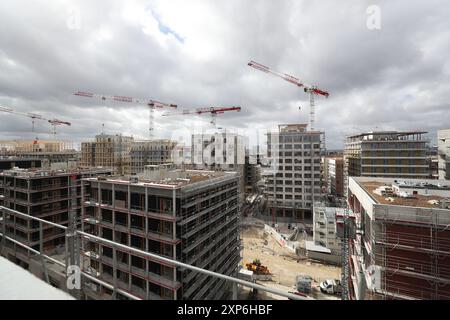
39	172
397	134
413	193
167	179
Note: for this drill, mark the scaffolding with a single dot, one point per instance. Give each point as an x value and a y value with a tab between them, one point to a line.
413	243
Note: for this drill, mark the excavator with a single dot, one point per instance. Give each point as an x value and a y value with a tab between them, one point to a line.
257	268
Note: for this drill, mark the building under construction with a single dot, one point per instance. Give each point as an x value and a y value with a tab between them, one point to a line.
401	247
125	155
43	194
191	216
51	153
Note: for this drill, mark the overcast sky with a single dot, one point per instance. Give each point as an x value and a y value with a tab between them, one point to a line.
195	54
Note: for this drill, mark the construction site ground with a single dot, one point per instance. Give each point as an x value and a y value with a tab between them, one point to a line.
283	265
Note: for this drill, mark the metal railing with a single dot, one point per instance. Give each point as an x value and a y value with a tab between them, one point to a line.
116	245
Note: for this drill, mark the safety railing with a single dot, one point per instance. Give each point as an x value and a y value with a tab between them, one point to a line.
116	245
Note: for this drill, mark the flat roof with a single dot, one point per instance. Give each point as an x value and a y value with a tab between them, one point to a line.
188	177
311	246
417	200
399	133
28	173
17	283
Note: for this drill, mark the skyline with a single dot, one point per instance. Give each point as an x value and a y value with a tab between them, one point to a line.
195	55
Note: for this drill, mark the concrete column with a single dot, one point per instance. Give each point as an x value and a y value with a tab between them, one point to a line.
82	215
174	236
113	192
146	242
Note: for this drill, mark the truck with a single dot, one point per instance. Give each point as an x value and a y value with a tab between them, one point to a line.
331	287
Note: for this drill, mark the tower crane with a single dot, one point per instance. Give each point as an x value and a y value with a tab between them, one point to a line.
213	111
152	104
34	117
311	90
57	122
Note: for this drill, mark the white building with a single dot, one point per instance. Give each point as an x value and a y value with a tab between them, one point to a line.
444	154
325	228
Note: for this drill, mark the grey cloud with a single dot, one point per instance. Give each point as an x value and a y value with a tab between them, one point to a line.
393	78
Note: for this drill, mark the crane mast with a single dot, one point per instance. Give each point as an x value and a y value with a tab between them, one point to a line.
311	90
34	117
152	104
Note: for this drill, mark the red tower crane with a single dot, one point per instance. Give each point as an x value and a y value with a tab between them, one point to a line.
312	90
35	116
152	104
57	122
213	111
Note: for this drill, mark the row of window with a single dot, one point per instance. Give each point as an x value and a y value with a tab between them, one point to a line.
294	138
295	182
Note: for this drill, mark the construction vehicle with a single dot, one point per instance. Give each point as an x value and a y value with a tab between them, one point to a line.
257	268
331	287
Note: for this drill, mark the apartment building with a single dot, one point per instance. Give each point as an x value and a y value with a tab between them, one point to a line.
46	151
220	151
108	151
252	174
386	154
188	215
295	180
153	152
43	194
401	248
335	176
124	154
444	154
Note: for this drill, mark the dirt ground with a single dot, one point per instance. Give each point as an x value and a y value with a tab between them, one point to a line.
283	264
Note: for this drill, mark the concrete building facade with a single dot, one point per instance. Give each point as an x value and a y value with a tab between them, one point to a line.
223	151
325	231
48	152
386	154
154	152
124	154
191	216
401	248
335	176
295	180
444	154
43	194
252	175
